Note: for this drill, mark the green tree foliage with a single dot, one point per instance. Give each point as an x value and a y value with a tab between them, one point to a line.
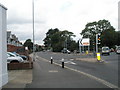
57	39
108	33
117	39
28	44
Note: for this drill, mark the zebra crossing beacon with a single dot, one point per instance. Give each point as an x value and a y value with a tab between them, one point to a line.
3	46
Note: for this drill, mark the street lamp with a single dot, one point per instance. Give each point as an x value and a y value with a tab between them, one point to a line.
33	31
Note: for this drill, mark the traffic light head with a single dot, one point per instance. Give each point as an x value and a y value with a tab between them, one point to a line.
99	40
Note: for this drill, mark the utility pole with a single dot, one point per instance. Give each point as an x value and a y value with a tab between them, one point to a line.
33	31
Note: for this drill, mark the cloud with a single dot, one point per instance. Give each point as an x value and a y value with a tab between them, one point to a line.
66	6
70	15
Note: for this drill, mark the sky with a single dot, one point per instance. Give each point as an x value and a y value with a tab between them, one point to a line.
71	15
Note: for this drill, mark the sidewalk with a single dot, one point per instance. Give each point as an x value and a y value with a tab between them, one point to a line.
18	78
46	75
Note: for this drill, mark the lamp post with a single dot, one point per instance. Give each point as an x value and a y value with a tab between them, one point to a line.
33	31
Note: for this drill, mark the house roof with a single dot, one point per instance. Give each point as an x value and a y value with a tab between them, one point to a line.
3	6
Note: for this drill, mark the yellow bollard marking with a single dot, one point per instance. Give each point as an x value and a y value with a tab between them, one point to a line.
98	57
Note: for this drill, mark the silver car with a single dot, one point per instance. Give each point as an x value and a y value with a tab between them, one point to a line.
12	58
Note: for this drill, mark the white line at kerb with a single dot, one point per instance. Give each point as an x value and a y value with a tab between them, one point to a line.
110	85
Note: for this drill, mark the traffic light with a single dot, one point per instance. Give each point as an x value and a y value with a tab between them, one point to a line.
99	40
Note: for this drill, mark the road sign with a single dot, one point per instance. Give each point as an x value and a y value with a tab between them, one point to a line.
85	42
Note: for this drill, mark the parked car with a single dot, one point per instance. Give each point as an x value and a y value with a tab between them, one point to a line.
22	56
105	50
12	58
118	50
66	51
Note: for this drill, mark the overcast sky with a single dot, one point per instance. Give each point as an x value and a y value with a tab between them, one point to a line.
71	15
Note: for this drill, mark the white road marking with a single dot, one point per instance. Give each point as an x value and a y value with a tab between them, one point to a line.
110	85
70	62
52	71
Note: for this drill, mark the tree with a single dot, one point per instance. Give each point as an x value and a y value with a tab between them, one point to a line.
49	36
57	39
104	28
117	39
108	38
28	44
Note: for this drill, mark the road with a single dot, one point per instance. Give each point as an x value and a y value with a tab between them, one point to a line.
107	71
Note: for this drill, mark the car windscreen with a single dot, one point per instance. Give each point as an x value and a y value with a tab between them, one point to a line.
10	55
118	47
105	49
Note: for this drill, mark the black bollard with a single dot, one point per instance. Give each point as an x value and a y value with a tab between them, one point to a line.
51	60
62	64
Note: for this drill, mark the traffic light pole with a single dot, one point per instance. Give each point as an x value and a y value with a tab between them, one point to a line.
96	43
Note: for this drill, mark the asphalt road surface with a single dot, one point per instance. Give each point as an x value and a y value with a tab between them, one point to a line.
107	71
103	73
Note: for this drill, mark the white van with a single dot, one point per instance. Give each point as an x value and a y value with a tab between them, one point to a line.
118	50
105	50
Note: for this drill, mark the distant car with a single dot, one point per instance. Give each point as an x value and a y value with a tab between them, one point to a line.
118	50
22	56
66	51
12	58
105	50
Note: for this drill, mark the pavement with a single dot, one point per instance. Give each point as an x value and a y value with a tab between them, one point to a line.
18	78
46	75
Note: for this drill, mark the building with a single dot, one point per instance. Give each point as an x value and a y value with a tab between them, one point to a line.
12	39
3	47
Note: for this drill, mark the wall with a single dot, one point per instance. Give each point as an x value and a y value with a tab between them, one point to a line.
3	47
18	49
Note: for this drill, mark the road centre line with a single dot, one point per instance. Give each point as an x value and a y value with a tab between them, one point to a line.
110	85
